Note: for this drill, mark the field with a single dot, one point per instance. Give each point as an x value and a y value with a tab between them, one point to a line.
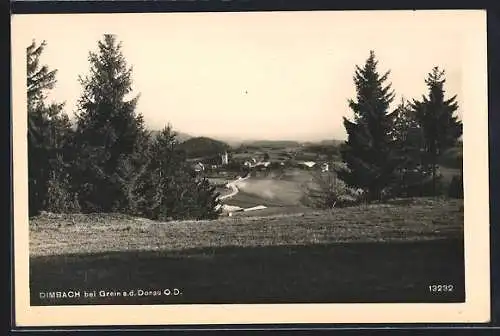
370	253
286	189
283	190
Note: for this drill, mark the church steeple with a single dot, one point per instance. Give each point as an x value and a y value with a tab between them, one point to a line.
225	159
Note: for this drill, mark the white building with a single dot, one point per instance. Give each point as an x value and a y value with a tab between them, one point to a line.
225	159
308	164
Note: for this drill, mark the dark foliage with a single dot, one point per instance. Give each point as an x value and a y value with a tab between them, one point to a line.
109	132
109	163
436	116
397	154
327	192
412	171
368	151
49	134
168	188
203	147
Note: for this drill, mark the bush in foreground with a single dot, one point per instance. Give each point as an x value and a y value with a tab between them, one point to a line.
167	188
327	191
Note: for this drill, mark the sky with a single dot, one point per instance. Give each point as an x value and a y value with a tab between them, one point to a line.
261	75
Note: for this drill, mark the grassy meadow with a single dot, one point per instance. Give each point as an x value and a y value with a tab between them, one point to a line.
371	253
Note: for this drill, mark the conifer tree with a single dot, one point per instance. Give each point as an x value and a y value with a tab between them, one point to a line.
436	116
368	151
168	188
49	130
409	145
109	131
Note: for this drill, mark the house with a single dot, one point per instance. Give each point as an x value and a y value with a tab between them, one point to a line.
308	164
199	167
255	164
250	163
264	164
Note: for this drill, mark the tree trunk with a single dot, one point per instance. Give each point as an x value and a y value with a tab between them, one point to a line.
434	175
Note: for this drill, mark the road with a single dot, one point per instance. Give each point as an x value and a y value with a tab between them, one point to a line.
234	188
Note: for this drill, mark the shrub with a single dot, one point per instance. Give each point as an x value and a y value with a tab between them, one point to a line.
327	191
60	198
416	184
167	188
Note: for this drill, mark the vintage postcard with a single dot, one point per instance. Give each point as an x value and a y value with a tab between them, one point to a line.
250	168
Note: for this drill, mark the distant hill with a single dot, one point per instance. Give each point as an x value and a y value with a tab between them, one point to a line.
182	137
203	147
234	142
271	143
289	143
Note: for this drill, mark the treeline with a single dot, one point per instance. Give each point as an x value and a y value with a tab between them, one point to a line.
106	161
397	153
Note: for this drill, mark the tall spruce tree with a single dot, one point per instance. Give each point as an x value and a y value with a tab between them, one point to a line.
368	151
49	130
436	116
109	131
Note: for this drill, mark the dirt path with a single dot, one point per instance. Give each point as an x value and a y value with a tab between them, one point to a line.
234	190
233	186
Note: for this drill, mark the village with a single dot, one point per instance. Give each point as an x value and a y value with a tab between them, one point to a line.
260	177
227	164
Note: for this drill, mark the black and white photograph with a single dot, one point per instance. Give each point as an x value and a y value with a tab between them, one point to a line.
252	159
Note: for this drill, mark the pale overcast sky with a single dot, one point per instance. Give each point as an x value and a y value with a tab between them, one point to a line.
274	75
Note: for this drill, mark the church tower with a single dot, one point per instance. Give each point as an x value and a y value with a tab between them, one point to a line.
225	159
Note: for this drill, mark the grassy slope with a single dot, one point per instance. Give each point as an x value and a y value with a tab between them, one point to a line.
275	190
385	253
103	233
